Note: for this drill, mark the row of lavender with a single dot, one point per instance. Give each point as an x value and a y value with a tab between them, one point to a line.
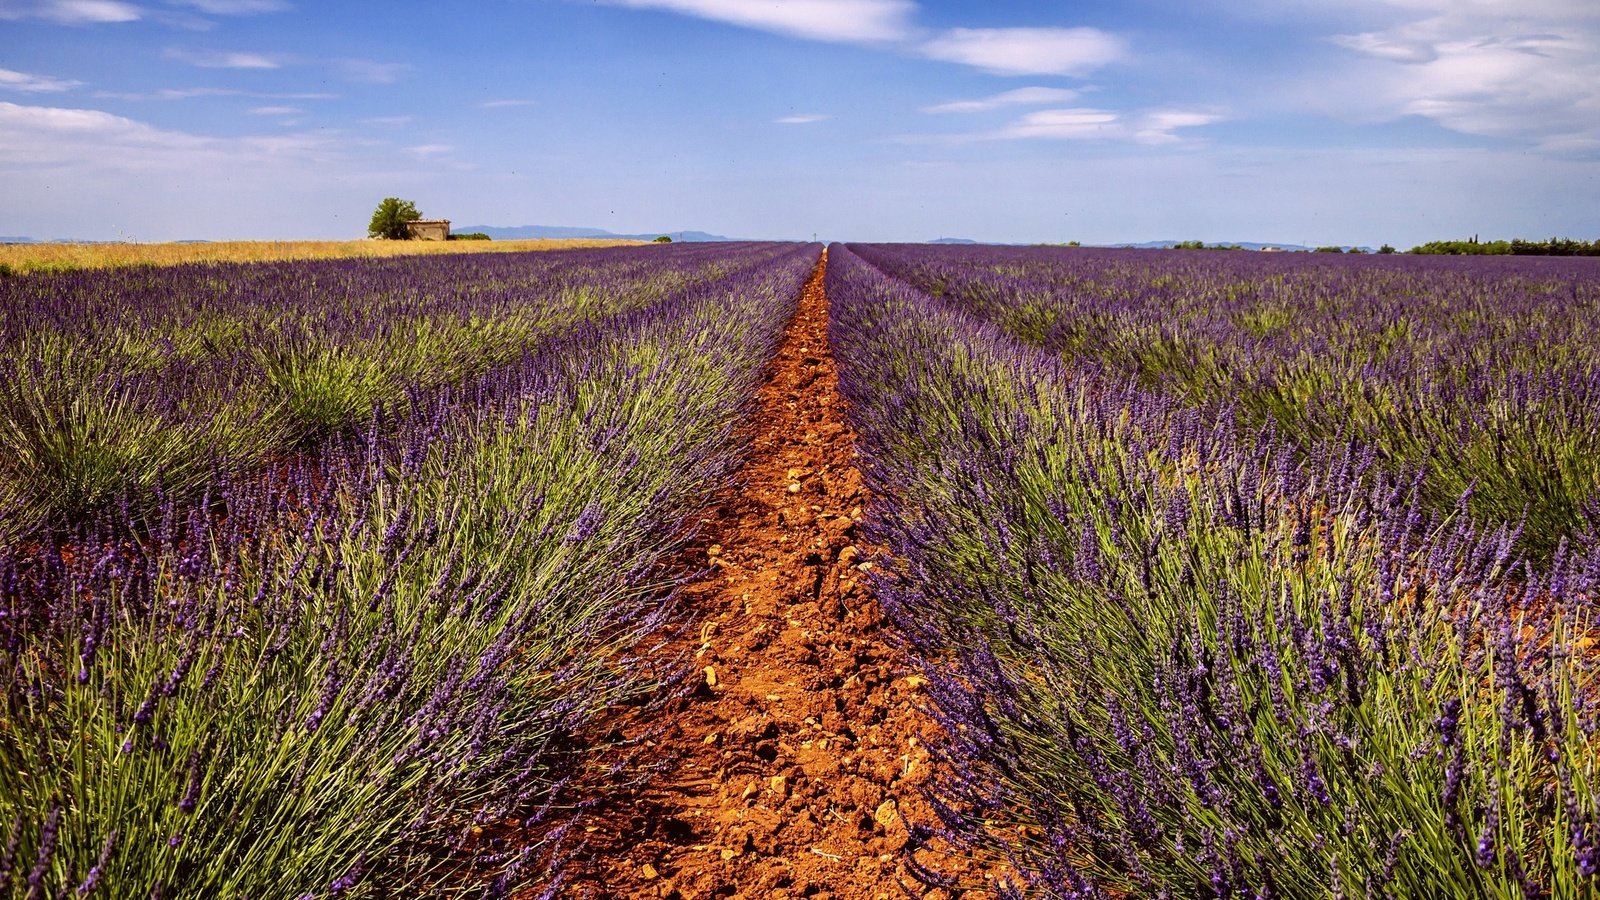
120	380
1484	373
374	670
1178	655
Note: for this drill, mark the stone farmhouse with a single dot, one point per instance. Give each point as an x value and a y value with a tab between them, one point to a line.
429	230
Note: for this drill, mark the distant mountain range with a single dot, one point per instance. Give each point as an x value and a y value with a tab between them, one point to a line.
1248	245
527	232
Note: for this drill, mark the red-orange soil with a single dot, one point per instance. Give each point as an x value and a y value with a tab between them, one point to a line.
792	768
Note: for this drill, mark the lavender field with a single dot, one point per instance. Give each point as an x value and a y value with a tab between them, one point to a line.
315	572
1227	575
1241	576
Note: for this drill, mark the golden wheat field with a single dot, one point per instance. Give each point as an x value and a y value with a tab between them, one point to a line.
35	257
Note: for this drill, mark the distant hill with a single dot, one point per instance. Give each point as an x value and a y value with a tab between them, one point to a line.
559	232
952	241
18	239
1247	245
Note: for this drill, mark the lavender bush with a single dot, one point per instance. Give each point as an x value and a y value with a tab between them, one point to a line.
1179	656
1482	373
361	672
118	381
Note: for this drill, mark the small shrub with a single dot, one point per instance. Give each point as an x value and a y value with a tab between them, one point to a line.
469	236
664	239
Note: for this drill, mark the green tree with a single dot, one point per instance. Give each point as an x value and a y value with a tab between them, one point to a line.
389	221
664	239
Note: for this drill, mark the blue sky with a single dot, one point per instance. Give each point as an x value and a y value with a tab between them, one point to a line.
1360	122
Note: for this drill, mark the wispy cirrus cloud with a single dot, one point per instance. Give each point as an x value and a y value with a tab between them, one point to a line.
1389	47
224	59
1028	96
1077	124
1151	126
193	93
848	21
70	12
1161	126
1529	72
504	104
169	94
999	51
800	119
67	138
369	71
366	71
276	111
1028	51
430	151
233	7
34	84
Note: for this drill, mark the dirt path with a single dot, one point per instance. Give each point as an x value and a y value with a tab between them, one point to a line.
792	768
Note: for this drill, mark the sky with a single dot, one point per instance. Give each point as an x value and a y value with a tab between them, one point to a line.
1295	121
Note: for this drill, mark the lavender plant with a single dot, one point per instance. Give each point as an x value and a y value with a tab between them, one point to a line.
120	380
1175	656
361	674
1482	373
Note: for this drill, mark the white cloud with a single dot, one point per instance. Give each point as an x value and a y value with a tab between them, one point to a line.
1392	49
276	111
390	121
169	94
62	138
1028	96
504	104
34	84
852	21
1076	123
431	151
196	92
234	7
802	119
1529	72
1158	126
1081	123
223	59
1028	51
370	71
70	12
85	173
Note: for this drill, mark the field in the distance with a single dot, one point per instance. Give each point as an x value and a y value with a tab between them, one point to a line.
45	257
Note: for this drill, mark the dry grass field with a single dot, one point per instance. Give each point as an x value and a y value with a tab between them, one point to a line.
35	257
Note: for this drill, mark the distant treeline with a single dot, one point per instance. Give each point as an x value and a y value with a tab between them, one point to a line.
1518	247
